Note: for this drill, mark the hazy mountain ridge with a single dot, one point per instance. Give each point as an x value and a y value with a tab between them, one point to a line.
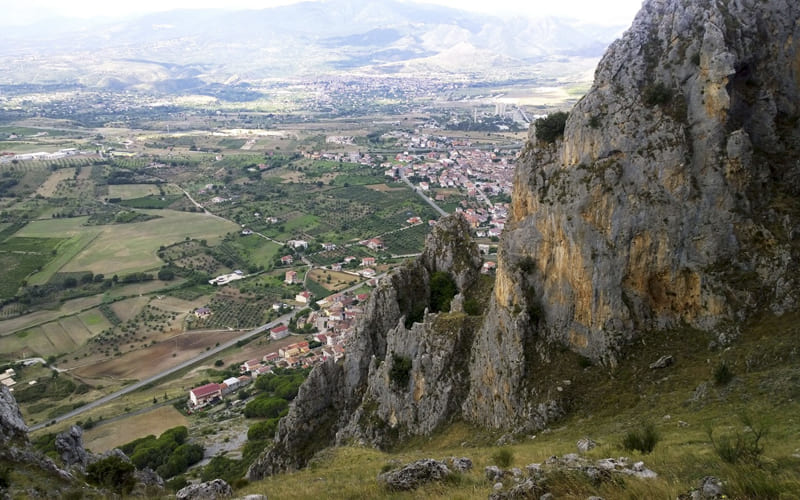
304	39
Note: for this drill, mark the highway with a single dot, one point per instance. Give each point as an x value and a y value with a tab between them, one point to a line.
200	357
138	385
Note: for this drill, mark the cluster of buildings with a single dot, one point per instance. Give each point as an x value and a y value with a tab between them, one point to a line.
212	393
7	378
41	156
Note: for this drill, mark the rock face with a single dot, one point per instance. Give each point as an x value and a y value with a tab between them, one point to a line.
671	199
69	444
405	372
12	426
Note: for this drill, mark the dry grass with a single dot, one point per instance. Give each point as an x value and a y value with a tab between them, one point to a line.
124	430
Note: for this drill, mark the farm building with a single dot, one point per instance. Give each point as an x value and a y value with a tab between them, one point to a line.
205	393
202	312
230	384
279	332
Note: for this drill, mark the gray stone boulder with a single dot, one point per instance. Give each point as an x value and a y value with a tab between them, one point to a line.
494	473
12	426
210	490
414	475
662	362
585	444
462	464
710	488
69	445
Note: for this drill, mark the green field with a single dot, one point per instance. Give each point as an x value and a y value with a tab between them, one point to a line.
124	248
20	257
128	191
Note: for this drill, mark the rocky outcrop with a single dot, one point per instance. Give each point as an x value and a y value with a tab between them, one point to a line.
404	373
414	475
211	490
69	445
671	199
12	426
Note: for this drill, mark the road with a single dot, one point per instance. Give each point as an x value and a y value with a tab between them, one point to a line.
138	385
200	357
425	198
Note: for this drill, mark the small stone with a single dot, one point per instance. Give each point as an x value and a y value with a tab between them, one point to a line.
494	473
498	486
662	362
681	423
711	487
547	496
585	444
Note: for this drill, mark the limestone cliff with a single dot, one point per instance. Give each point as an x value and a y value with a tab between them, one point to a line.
672	198
405	372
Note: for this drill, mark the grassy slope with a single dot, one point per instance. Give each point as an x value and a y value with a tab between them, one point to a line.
605	404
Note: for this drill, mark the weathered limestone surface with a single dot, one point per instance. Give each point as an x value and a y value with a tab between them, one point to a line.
665	202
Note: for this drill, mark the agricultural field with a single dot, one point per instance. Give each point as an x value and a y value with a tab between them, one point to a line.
128	191
127	248
232	309
153	359
20	257
112	434
332	281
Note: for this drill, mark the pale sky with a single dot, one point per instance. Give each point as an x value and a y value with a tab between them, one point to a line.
19	12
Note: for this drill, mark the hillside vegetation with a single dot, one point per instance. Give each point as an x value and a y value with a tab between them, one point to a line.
683	402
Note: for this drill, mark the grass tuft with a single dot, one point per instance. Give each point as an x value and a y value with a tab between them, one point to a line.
643	439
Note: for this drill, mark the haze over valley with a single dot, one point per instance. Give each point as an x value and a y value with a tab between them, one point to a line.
399	250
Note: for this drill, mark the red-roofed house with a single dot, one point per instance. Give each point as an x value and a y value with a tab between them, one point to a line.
279	332
287	259
291	277
368	261
303	297
251	365
205	393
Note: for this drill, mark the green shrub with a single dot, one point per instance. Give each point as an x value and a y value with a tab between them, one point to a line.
443	289
722	374
400	372
744	446
262	431
223	468
551	127
113	473
265	407
657	94
643	439
503	457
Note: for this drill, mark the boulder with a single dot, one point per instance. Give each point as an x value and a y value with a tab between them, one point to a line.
414	475
12	426
662	362
210	490
69	445
462	464
585	444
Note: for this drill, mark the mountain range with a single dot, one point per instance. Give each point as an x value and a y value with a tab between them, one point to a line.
308	39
